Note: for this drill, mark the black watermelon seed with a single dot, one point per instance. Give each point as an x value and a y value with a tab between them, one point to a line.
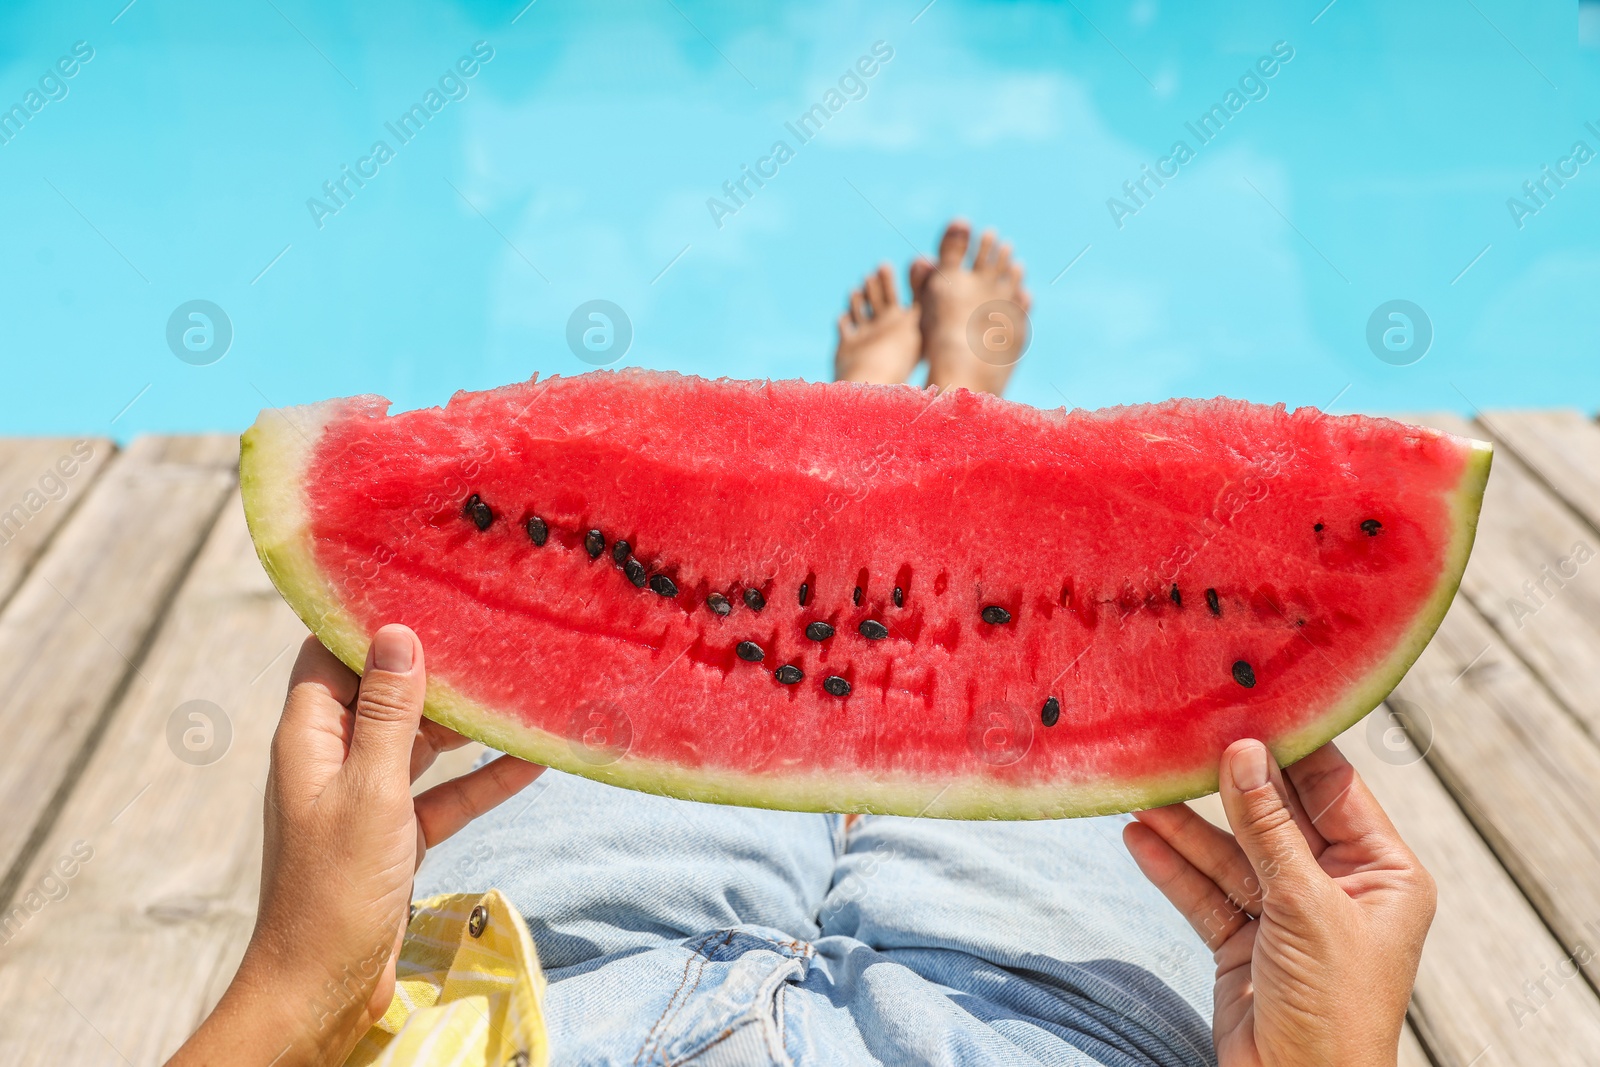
620	551
836	685
718	603
749	651
663	585
538	531
899	597
819	631
1051	713
754	600
635	572
1317	527
1244	675
804	589
479	512
995	615
1372	526
594	543
856	596
1177	597
1212	603
873	630
788	674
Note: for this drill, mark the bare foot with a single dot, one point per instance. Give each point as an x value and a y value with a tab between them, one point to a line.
880	340
977	355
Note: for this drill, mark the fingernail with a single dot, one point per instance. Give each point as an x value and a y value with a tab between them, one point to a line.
1249	766
391	650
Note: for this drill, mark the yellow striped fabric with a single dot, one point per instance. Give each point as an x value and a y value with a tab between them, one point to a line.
468	991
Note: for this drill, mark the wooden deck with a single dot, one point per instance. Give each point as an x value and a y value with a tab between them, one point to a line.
128	588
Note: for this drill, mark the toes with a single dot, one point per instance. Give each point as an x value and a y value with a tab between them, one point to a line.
891	294
1002	260
1024	298
983	262
953	245
858	307
921	267
873	287
846	327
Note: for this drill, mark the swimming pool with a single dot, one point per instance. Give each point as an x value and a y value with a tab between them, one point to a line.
536	157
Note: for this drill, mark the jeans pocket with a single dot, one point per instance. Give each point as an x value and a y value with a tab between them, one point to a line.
723	1011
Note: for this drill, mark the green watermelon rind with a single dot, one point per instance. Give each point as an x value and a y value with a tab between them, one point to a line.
1465	504
273	456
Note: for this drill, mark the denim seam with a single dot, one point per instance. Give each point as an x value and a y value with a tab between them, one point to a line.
766	1003
780	1042
673	1005
727	1032
841	837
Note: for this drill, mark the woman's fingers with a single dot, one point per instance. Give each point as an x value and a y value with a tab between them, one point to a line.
432	739
449	806
441	737
1264	825
322	675
1337	800
389	706
1297	807
1212	851
1197	898
309	746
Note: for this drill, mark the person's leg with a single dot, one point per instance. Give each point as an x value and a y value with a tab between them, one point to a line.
667	929
597	870
968	942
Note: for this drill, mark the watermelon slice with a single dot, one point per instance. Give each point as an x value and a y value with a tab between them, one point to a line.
871	598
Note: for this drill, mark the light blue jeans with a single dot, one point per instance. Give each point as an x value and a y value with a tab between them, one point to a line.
682	933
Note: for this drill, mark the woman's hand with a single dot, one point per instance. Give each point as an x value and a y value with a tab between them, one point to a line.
1315	909
343	839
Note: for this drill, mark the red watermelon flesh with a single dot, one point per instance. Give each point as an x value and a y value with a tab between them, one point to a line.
1033	613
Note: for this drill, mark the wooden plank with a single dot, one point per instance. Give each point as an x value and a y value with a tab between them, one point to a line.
41	480
449	765
213	451
76	628
1535	575
1562	447
1519	766
1486	940
156	920
1411	1054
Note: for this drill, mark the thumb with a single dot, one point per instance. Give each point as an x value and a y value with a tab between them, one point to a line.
1253	795
389	705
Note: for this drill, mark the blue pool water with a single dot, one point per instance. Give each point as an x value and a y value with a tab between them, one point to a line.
569	153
